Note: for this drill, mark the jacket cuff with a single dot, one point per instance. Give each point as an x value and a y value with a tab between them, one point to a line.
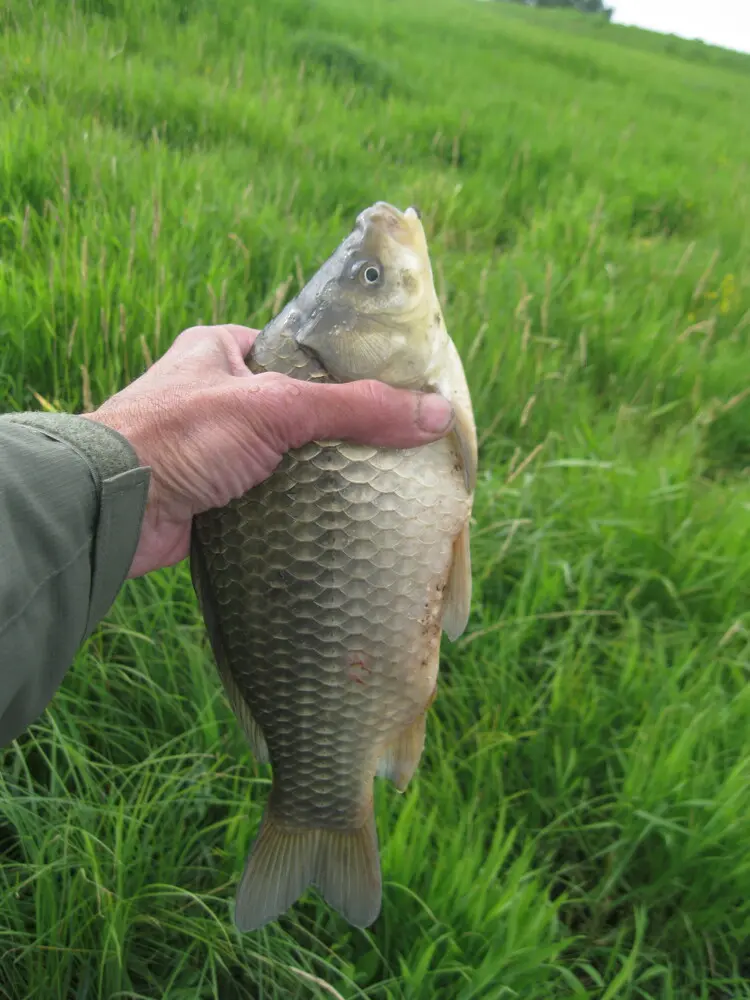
121	489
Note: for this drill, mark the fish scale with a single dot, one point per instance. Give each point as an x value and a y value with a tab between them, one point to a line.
325	589
359	588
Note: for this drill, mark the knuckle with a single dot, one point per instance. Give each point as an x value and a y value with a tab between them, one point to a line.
273	381
375	395
189	333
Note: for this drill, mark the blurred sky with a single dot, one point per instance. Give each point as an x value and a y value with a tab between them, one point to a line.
719	22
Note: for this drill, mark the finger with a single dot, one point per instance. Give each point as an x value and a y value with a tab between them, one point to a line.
210	349
244	336
365	412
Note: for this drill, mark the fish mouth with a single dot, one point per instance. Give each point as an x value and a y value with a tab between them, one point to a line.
382	217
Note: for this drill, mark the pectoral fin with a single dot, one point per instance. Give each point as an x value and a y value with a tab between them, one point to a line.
202	587
457	600
465	437
450	381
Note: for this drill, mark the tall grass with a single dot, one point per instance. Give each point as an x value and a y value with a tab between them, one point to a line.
580	823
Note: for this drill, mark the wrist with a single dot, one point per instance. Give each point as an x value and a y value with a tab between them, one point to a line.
119	423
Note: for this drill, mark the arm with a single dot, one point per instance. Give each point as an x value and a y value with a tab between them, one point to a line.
86	501
72	499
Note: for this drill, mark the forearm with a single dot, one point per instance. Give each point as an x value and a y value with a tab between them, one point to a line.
71	505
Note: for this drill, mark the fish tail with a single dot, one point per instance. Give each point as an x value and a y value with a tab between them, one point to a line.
343	864
348	874
281	865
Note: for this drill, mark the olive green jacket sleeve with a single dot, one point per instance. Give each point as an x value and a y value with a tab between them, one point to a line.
72	498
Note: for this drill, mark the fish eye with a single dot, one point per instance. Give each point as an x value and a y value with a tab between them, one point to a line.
371	274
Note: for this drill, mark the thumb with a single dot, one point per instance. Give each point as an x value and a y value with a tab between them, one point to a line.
366	412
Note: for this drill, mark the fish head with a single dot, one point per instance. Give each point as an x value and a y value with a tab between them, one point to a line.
371	311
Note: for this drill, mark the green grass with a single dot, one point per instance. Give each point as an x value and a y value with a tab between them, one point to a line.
580	824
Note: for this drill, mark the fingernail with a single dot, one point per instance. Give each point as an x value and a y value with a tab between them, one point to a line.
434	413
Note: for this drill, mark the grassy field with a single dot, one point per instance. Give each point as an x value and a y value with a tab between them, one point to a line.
580	825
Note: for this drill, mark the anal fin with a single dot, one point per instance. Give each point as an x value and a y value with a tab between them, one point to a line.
402	756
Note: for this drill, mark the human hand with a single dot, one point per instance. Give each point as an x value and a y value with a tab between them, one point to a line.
210	429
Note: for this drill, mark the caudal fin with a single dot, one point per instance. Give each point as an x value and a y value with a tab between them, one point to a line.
343	864
348	874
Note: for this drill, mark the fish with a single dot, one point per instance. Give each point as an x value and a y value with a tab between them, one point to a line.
326	589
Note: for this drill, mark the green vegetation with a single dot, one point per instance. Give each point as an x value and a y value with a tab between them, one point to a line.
580	825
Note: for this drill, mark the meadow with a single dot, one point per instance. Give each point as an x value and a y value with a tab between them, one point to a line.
580	824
